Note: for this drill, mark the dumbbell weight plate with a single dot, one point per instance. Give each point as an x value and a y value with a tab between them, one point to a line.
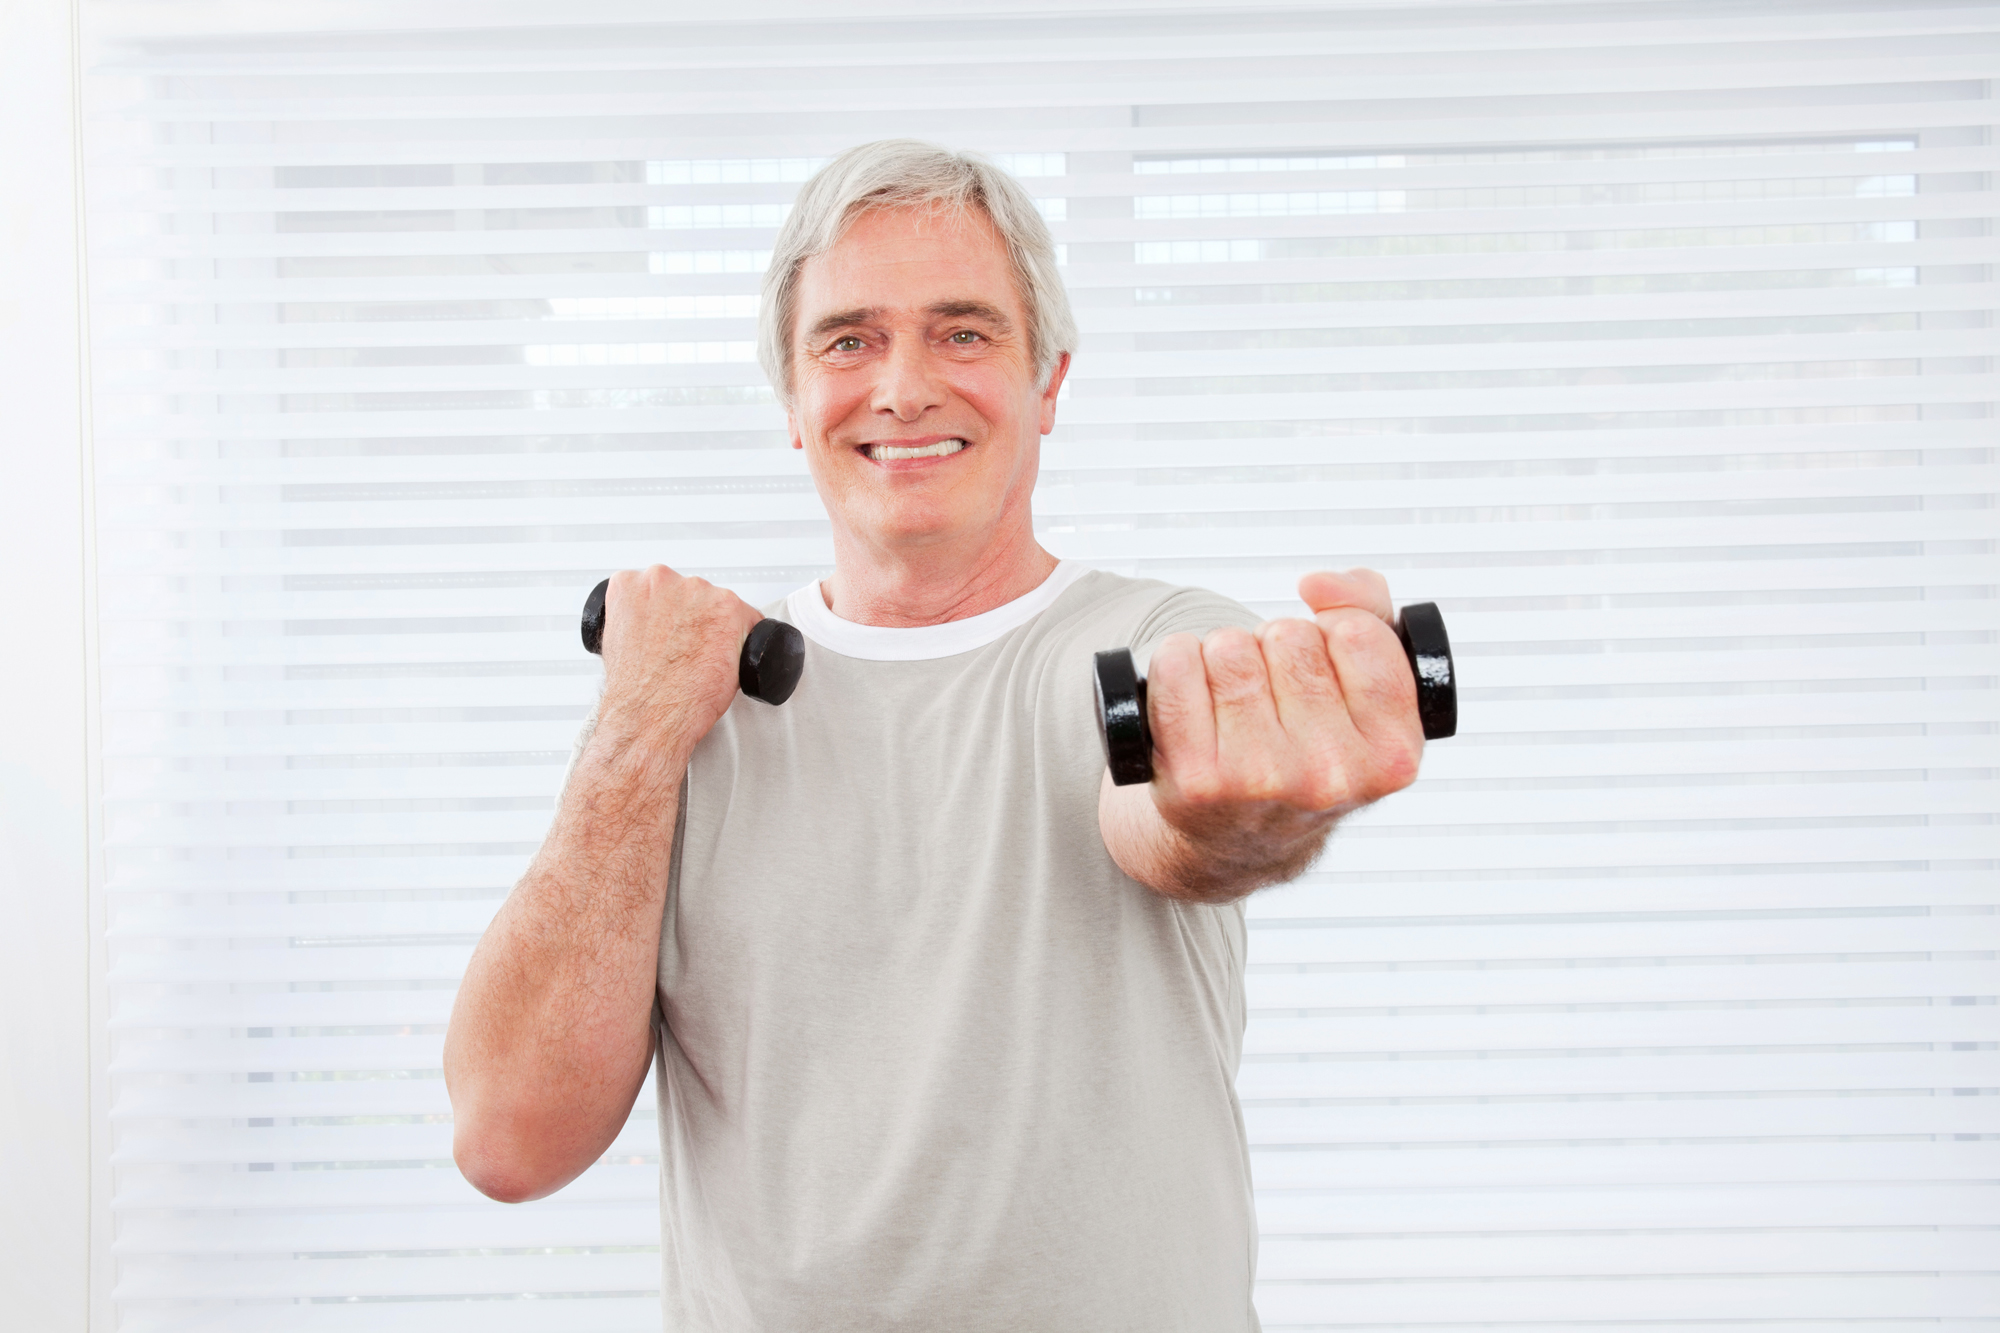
1421	628
774	657
593	618
769	667
1128	737
1121	718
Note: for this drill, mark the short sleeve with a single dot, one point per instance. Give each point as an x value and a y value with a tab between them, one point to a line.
1193	611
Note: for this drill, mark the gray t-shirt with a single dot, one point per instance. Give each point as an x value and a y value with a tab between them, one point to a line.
929	1059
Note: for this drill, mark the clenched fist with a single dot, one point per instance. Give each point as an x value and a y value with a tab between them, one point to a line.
1263	740
670	656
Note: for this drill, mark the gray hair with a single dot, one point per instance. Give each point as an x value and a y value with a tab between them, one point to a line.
909	173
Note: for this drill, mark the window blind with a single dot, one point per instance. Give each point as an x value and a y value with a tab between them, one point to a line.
1654	341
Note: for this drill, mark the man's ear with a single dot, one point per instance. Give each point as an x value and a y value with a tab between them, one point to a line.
792	428
1050	391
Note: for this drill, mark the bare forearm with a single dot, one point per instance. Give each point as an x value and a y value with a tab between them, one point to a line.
1214	863
551	1035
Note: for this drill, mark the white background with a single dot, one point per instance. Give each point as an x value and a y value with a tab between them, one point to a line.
1654	341
57	1219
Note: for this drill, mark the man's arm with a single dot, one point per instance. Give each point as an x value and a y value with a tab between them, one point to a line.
1263	741
551	1032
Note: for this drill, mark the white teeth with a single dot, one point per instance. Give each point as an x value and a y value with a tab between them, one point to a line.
886	452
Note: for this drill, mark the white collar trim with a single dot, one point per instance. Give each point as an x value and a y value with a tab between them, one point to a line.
807	609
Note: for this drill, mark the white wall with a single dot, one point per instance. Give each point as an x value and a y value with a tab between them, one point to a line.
46	935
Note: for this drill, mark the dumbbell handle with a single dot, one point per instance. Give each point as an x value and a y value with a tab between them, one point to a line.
773	656
1128	736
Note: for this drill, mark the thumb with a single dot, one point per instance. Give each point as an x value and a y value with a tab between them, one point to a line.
1362	589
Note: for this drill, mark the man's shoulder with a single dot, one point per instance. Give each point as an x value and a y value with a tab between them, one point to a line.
1122	611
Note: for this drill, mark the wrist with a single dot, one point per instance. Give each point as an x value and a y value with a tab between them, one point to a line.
653	753
1205	851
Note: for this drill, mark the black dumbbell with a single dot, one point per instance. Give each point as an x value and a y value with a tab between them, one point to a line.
1128	739
773	659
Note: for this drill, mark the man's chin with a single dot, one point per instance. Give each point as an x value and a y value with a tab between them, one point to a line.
904	524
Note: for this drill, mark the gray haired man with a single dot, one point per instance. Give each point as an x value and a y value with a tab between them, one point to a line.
945	1024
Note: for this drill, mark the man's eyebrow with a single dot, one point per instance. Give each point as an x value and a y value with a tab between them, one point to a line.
970	310
841	319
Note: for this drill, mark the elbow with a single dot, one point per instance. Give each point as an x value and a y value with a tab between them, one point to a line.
514	1143
500	1170
497	1185
491	1146
499	1155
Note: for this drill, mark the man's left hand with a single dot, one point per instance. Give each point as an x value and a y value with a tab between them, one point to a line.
1262	741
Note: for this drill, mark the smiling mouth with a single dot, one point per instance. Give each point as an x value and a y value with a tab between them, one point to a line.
888	453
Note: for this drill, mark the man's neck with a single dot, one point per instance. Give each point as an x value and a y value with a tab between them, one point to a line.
905	589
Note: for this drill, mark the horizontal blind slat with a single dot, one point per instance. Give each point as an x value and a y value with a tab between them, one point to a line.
1683	1298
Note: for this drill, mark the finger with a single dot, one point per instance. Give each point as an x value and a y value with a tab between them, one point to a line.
1248	740
1303	684
639	587
715	613
623	592
1178	708
1363	589
1375	682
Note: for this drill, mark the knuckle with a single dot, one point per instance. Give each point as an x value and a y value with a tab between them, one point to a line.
1227	646
1398	762
1355	632
1253	775
1182	647
1288	635
1299	649
1329	789
1266	784
1292	630
1233	659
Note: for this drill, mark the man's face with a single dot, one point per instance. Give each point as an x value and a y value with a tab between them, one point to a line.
911	339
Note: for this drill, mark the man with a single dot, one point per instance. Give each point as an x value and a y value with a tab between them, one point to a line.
946	1024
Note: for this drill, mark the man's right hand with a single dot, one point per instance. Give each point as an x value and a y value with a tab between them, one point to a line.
551	1034
671	645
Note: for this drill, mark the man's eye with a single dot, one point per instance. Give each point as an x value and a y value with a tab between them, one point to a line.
847	344
965	337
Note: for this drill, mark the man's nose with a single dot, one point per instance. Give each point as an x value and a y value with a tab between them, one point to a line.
909	384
